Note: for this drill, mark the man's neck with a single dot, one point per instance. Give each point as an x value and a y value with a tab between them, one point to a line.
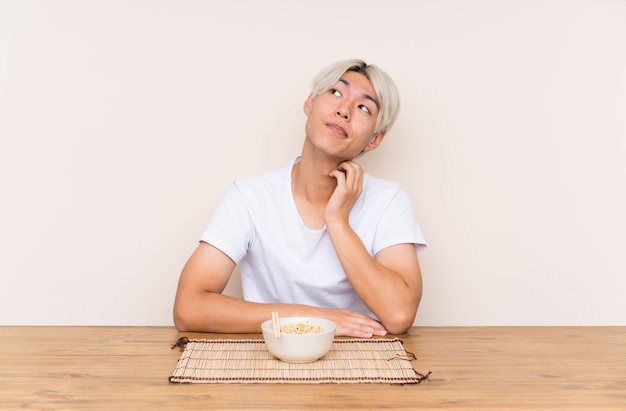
311	182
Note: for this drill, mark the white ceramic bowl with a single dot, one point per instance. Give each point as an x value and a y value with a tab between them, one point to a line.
299	348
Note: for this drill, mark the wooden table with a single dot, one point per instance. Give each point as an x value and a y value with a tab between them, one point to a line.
498	368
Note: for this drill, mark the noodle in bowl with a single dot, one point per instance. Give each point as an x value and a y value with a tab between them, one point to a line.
301	328
302	339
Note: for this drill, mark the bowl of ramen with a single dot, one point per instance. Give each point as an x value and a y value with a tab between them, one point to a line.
301	339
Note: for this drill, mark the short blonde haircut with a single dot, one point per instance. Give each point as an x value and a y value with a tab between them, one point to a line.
385	88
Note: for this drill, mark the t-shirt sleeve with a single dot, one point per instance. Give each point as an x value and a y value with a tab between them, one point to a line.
230	228
398	225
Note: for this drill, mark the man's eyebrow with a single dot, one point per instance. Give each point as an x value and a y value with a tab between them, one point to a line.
366	96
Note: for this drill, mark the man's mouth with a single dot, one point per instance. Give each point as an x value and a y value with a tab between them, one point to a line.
337	129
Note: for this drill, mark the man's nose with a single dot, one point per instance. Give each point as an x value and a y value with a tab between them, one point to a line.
343	113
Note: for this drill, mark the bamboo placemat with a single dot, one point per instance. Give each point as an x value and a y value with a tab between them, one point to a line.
249	361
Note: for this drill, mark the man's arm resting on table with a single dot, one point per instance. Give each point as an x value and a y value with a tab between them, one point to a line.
200	306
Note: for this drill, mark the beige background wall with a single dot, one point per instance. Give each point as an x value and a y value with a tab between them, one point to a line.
123	122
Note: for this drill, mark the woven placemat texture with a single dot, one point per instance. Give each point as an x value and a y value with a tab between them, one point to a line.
249	361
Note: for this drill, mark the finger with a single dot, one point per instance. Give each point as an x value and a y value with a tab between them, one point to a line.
374	327
361	332
348	166
340	176
354	173
365	326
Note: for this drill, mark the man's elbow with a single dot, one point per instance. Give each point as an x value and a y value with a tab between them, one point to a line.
399	323
396	329
182	320
180	324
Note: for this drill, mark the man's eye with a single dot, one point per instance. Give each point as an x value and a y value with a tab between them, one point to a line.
364	108
335	92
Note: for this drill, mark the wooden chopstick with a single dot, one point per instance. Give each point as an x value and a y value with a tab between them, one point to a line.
276	324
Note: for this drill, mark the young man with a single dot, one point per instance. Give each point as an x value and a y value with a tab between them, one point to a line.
318	237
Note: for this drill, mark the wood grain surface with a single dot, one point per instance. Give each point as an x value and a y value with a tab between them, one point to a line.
473	368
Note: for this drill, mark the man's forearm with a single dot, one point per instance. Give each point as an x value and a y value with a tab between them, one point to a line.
215	312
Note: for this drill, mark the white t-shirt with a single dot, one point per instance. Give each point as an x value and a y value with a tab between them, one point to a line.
282	260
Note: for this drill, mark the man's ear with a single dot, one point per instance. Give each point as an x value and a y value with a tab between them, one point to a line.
375	141
308	103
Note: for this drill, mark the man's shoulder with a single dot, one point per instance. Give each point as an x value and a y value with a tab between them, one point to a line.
379	186
268	181
381	193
